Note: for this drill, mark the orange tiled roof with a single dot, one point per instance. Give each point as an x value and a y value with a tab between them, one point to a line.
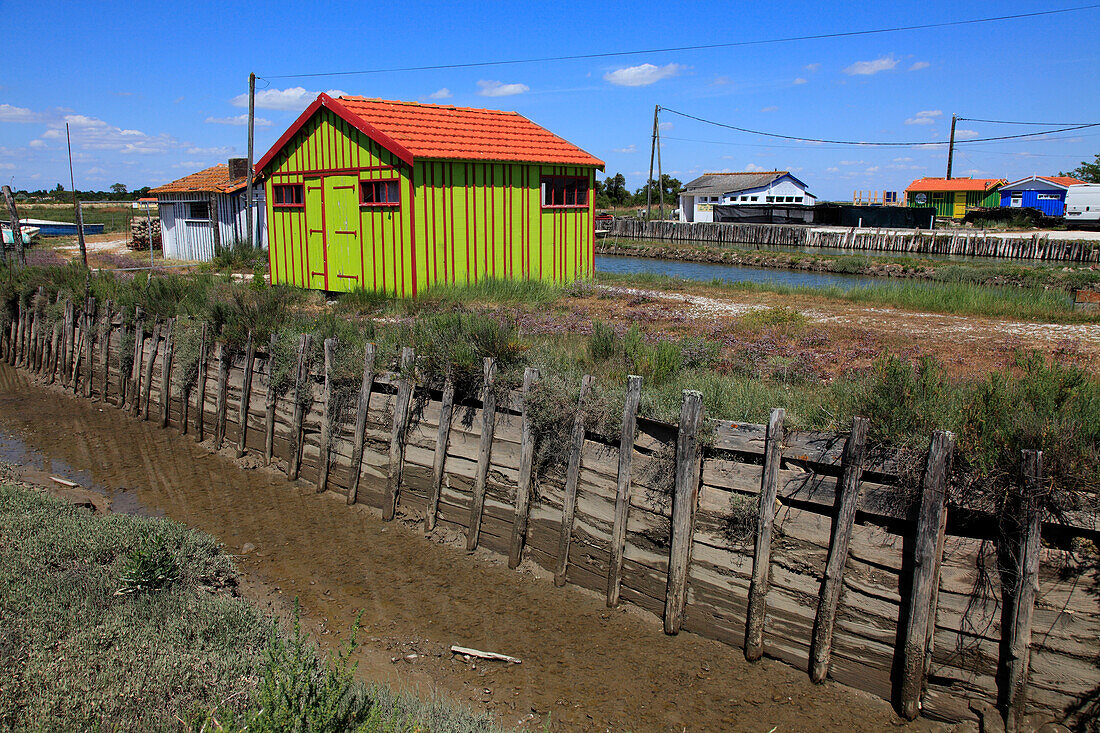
954	184
466	133
1062	180
212	180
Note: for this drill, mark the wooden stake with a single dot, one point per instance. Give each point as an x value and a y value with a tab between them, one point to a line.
1018	612
123	331
622	489
246	396
356	467
269	401
848	490
200	387
523	485
442	440
325	449
19	335
689	456
485	451
922	612
89	341
402	402
221	355
135	369
147	382
765	519
105	350
300	379
166	373
572	478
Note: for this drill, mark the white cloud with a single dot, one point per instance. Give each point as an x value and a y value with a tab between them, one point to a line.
852	162
220	151
9	113
487	88
871	169
924	117
833	169
442	93
722	80
772	108
241	119
37	143
812	67
867	68
965	134
627	149
918	65
91	133
902	160
799	80
754	167
644	75
7	166
665	126
292	98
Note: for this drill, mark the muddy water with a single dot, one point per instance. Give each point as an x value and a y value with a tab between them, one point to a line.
584	667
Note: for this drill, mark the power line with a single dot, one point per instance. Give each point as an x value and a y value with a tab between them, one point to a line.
700	47
869	143
1013	122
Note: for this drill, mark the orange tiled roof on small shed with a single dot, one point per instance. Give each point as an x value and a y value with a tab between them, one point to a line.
954	184
211	180
1062	180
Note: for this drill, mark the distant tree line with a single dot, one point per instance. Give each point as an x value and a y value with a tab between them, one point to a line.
60	194
1087	172
612	192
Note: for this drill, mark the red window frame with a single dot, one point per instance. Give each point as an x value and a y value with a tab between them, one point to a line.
383	192
564	192
279	197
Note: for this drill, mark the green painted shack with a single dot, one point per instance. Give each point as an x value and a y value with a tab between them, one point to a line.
398	197
951	197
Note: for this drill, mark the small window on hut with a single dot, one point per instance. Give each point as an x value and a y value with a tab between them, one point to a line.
199	210
564	192
380	193
288	194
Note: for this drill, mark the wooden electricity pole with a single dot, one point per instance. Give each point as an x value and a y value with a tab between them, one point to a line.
660	177
251	130
951	147
652	150
78	216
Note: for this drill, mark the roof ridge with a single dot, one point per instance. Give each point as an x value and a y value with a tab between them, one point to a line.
741	173
430	105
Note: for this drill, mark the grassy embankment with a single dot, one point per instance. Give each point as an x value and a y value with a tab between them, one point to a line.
128	623
1052	404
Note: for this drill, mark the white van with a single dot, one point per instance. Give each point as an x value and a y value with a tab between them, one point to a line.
1083	202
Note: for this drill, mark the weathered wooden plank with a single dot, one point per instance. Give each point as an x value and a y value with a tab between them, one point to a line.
684	499
926	563
485	449
526	462
399	431
439	459
765	519
622	488
325	448
572	475
355	468
825	618
166	373
294	460
246	396
1020	607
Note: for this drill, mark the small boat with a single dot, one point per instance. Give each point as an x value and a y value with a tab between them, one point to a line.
48	228
28	233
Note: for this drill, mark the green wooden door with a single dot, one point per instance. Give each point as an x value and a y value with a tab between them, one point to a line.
315	234
342	245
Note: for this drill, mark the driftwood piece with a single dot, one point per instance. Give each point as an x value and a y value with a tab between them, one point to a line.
572	479
294	462
398	433
492	656
762	549
439	459
523	483
200	386
355	468
270	400
166	373
926	562
246	396
484	451
685	497
221	397
622	488
325	448
831	583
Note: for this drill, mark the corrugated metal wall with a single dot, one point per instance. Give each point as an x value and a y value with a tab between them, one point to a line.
457	221
1030	199
186	238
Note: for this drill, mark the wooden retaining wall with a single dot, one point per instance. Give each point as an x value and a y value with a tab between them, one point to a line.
969	243
793	544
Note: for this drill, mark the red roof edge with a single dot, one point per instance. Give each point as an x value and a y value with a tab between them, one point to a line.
324	100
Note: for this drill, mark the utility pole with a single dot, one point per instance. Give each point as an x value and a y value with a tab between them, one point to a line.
78	216
251	130
652	150
660	178
951	147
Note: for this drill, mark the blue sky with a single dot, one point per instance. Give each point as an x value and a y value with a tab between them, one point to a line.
153	92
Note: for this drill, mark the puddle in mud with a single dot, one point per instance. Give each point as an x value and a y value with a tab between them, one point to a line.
584	667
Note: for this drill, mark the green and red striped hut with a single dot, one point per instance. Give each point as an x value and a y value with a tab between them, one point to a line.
398	197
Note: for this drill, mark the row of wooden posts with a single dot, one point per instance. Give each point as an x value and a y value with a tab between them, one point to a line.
65	351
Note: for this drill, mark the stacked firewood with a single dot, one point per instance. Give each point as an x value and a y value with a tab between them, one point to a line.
139	233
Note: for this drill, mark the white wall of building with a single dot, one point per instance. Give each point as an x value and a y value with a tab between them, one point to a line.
781	191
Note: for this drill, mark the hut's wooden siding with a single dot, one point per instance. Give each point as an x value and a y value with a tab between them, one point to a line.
458	222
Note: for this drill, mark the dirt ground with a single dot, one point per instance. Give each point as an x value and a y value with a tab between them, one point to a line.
584	668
